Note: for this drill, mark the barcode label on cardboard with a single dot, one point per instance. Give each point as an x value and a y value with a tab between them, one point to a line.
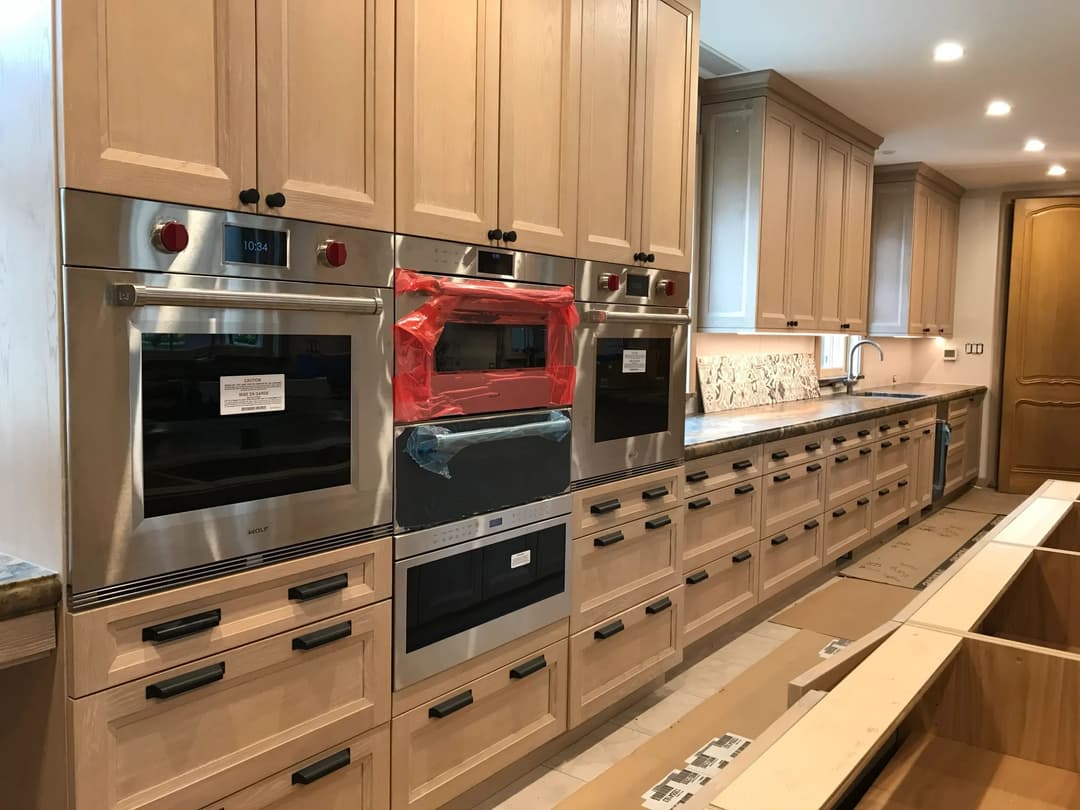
833	647
716	754
674	789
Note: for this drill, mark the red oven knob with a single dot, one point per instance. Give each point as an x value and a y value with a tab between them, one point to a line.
170	236
609	281
666	287
333	253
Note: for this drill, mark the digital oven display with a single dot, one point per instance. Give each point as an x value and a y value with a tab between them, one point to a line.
498	264
256	246
637	285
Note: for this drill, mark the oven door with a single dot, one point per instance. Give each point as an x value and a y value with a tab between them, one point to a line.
458	602
629	408
211	419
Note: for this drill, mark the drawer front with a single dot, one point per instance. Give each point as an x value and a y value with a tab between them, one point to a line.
185	736
849	436
789	556
793	495
889	426
617	568
955	469
922	417
354	775
724	469
958	430
785	453
449	744
719	591
890	505
118	643
847	526
721	522
608	505
959	407
849	474
611	659
892	458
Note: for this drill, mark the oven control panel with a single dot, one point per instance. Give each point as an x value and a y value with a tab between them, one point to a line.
603	283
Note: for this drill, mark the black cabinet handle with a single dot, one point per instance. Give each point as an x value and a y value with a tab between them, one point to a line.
654	493
779	540
249	196
320	587
813	447
926	329
651	258
639	257
275	200
839	439
700	576
608	630
839	512
608	540
510	236
905	439
742	556
605	507
745	464
883	492
695	477
163	690
841	459
451	705
901	484
528	668
178	628
745	489
863	501
699	503
781	478
324	767
886	445
780	455
927	432
810	525
495	235
866	451
794	323
883	428
864	433
658	522
904	422
317	638
659	606
813	467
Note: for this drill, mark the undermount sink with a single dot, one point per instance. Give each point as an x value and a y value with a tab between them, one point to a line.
889	395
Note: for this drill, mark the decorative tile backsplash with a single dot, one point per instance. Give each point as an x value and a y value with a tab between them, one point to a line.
742	381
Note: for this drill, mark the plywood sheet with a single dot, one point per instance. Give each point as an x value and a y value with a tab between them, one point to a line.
988	501
849	608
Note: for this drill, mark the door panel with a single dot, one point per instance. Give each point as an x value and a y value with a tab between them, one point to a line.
833	230
946	280
804	257
775	189
918	261
931	263
855	276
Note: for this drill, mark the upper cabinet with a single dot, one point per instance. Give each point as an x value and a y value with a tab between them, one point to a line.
243	105
638	128
786	207
487	121
914	237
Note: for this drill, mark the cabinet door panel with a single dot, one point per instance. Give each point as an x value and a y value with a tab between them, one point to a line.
447	118
612	111
775	190
919	229
164	117
670	122
931	258
855	276
326	113
540	80
834	189
946	280
808	157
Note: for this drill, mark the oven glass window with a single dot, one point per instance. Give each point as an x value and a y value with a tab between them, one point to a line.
633	387
234	418
490	347
453	594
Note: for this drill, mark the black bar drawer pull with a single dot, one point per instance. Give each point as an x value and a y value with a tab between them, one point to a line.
927	432
780	455
810	525
883	492
745	489
862	501
320	587
178	628
901	484
839	439
813	467
864	433
839	512
699	503
608	630
309	641
905	439
324	767
781	478
904	422
163	690
813	447
605	507
866	451
883	428
451	705
779	540
700	475
608	540
841	459
742	556
886	445
658	522
700	576
658	606
654	493
528	668
745	464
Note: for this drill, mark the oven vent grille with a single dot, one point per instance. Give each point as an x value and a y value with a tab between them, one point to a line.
199	573
596	480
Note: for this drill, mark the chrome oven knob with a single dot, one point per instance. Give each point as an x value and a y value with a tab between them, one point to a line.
170	236
609	282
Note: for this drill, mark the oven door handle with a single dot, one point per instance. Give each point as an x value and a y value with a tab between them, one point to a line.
603	316
139	295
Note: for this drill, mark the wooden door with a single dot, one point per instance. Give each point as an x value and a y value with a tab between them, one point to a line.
326	110
946	280
779	139
539	98
834	188
931	262
670	133
612	111
447	118
855	275
159	99
920	211
804	234
1040	402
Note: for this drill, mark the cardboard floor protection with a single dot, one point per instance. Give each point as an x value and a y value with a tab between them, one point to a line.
846	608
746	706
910	559
988	501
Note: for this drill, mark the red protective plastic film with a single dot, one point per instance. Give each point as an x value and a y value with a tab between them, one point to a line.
422	393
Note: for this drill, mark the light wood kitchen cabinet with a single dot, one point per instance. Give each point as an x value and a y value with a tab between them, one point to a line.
973	439
719	591
924	468
913	251
720	522
847	526
890	505
893	458
721	470
789	556
786	201
849	474
792	495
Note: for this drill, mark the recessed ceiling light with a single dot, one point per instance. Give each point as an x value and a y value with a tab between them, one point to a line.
948	52
997	108
1057	170
1034	145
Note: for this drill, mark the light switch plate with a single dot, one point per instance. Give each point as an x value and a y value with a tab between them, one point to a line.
950	354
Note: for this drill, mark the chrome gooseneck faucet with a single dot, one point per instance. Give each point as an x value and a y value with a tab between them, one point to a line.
852	377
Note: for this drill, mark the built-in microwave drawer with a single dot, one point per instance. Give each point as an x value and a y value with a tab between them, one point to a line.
722	521
713	472
608	505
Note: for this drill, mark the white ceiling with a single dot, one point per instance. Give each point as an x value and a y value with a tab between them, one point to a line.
872	59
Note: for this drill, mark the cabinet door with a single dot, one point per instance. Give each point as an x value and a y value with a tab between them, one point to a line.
669	134
773	249
612	111
931	265
855	275
804	234
326	110
447	118
973	441
159	99
540	80
924	461
919	226
946	281
834	188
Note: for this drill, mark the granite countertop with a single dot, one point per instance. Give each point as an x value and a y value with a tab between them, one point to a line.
707	434
25	587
